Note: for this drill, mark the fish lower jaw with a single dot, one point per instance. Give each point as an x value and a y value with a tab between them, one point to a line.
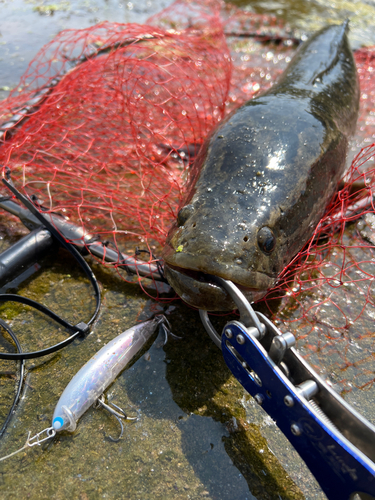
199	289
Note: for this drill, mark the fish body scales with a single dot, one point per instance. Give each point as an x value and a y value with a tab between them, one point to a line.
264	177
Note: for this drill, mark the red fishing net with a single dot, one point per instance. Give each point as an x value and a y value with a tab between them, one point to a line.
325	295
108	145
115	115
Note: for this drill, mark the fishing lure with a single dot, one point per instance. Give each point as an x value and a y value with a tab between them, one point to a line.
89	383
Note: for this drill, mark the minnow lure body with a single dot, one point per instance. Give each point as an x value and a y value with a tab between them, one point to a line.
89	383
99	372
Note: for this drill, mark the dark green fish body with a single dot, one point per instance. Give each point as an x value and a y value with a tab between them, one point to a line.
264	177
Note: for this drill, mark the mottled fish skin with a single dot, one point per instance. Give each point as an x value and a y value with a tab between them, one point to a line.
264	177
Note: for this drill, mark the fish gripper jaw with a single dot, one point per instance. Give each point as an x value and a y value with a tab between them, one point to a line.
335	441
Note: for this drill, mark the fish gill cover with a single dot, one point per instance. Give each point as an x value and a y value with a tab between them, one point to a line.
116	113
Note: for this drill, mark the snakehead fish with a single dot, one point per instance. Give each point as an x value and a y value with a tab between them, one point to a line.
263	178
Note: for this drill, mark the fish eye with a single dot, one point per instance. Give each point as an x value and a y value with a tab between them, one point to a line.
266	240
184	214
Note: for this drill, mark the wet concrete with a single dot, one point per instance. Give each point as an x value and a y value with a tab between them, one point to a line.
310	16
199	435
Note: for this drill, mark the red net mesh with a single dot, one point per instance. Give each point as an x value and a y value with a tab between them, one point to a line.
325	295
122	109
100	148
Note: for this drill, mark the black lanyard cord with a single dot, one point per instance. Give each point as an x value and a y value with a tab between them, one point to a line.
79	329
21	376
51	228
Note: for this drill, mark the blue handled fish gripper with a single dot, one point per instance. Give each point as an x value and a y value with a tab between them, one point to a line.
336	442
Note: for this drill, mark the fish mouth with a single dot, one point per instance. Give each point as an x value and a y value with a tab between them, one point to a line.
199	289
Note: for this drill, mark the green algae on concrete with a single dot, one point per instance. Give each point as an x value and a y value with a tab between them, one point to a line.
48	9
198	435
307	17
191	440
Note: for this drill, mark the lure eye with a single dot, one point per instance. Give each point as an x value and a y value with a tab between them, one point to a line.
57	423
183	215
266	240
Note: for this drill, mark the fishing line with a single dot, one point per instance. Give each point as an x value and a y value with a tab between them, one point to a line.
21	376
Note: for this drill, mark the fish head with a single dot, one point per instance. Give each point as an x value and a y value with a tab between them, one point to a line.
258	188
264	178
229	225
204	243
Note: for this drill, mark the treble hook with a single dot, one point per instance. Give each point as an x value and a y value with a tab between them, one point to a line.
120	414
165	326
